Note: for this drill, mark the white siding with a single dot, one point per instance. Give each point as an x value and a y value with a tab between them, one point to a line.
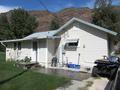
18	54
42	52
92	44
51	50
25	50
9	51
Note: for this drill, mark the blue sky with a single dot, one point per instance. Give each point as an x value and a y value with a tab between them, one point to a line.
52	5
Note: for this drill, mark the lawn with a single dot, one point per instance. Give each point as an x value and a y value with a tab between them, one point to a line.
13	78
2	56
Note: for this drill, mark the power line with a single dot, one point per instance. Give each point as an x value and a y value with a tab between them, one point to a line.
45	7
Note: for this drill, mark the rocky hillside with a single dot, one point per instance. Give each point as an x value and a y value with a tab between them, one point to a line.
44	17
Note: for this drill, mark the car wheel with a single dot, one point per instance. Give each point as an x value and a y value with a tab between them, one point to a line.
94	71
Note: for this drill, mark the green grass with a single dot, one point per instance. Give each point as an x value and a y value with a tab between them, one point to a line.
2	56
11	78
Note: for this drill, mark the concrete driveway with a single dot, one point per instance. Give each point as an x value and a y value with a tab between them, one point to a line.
74	75
79	80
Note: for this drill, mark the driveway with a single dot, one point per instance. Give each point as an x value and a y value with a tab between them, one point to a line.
79	76
79	80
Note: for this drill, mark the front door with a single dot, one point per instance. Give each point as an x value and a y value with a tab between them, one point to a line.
35	46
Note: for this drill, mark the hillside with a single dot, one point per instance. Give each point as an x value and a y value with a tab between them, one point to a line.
44	17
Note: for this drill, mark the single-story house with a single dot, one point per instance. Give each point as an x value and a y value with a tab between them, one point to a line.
76	42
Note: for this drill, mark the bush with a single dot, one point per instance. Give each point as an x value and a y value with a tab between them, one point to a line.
26	60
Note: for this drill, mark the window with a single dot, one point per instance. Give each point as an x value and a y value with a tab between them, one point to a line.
15	46
73	44
19	45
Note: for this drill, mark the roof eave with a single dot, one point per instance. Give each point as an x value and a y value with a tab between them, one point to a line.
87	23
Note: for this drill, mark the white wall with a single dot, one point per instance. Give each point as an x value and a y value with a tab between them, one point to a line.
19	54
9	51
92	44
42	52
51	50
25	49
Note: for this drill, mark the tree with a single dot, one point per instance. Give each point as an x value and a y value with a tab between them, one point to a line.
105	16
21	23
102	3
4	27
17	24
54	24
118	37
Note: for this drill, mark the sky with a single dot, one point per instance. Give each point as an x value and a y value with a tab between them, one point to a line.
52	5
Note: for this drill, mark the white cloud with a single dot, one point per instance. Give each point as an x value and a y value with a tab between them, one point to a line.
69	5
4	9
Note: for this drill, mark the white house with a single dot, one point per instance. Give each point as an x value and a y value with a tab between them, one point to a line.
77	42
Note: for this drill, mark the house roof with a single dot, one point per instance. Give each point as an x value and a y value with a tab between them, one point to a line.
38	35
41	35
87	23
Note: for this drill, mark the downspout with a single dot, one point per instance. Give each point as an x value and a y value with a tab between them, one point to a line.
3	44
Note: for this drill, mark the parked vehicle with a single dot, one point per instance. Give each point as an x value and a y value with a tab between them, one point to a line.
107	67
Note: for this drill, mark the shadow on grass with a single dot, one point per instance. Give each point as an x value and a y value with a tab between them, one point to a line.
9	79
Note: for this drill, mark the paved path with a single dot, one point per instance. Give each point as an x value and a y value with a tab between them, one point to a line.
80	80
99	84
88	84
79	76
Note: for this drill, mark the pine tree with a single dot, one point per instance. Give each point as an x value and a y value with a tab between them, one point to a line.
54	24
22	24
17	24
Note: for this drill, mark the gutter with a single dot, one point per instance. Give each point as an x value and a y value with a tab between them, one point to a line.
3	44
